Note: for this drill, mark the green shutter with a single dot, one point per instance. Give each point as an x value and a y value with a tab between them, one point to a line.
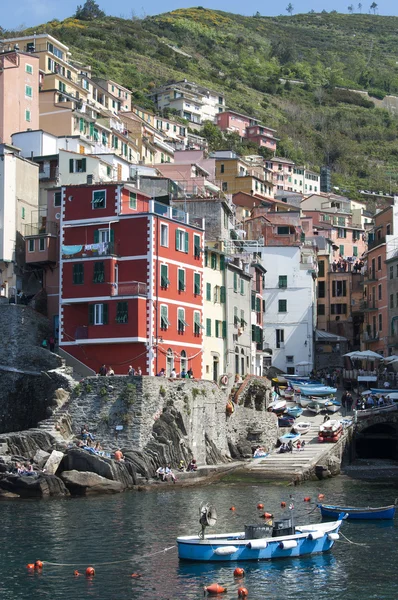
186	242
253	333
208	327
222	294
96	236
81	125
208	291
206	258
91	129
105	312
242	286
196	241
111	236
224	329
84	161
217	328
177	240
235	282
181	280
213	260
163	276
91	314
71	165
253	301
258	305
222	262
197	284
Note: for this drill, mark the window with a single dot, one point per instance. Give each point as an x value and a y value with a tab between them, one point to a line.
379	292
379	263
42	244
396	274
208	327
321	310
224	186
133	200
213	260
164	276
392	271
355	250
280	338
380	322
388	229
218	325
29	69
222	262
27	115
181	280
283	230
164	235
99	272
391	300
181	320
98	314
242	286
78	274
338	309
321	268
208	292
164	317
321	289
23	212
122	312
197	326
77	165
28	91
99	199
283	281
341	250
196	284
222	168
222	294
182	240
236	318
31	246
282	306
57	199
242	319
339	288
196	246
290	359
235	282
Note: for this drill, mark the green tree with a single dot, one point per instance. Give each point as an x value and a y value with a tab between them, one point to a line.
89	11
373	7
360	7
290	8
351	9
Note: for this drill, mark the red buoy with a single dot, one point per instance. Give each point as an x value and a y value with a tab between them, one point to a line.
76	573
232	508
215	588
30	566
38	564
136	575
90	572
239	572
307	499
260	506
242	592
283	504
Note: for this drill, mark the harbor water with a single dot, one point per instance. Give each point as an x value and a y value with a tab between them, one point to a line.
128	533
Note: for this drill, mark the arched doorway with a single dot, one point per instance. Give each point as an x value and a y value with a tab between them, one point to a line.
169	362
183	361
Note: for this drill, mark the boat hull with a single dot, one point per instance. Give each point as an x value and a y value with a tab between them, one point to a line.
232	547
294	411
384	512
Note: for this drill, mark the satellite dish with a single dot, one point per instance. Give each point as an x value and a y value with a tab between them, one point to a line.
207	517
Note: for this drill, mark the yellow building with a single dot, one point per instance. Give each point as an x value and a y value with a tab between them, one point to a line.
239	175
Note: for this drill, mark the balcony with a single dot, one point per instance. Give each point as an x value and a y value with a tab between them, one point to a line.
129	288
368	306
43	228
376	242
48	173
370	336
89	250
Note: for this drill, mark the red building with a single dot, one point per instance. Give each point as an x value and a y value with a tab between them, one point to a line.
130	281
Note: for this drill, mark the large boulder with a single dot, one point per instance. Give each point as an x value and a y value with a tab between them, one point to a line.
334	465
26	443
77	459
40	458
42	486
86	483
53	462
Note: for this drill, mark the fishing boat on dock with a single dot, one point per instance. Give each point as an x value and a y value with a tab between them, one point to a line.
289	437
358	513
294	411
330	431
274	539
302	427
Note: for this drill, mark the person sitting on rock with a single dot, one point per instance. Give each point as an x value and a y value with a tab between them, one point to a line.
131	371
110	372
181	466
119	456
183	374
173	374
169	474
160	472
192	465
102	371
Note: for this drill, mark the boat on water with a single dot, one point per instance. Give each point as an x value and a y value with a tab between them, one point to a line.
330	431
332	406
289	437
302	427
274	539
318	391
294	411
359	513
383	391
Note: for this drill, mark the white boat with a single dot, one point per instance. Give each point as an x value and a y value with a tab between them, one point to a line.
314	407
302	427
330	431
377	410
278	406
304	402
332	406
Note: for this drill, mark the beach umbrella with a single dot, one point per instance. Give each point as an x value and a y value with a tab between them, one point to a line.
370	355
366	393
303	363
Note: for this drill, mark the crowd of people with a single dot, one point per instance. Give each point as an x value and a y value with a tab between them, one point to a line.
107	371
342	265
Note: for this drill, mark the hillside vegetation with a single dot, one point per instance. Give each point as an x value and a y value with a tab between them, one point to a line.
247	57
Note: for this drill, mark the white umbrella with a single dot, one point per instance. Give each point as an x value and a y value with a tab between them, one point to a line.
366	393
352	354
303	363
390	359
393	396
365	354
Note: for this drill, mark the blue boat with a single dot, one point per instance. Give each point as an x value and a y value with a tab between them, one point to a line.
383	391
285	421
317	391
289	437
359	513
294	411
279	539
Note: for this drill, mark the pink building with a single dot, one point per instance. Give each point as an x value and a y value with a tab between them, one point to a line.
282	172
193	174
19	92
262	136
233	121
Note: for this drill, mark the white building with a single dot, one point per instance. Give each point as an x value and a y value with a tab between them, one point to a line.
289	294
304	181
215	326
191	101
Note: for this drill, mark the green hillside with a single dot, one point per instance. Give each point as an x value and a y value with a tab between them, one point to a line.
246	57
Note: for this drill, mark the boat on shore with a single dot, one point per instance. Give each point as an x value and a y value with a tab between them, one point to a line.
330	431
318	391
294	411
358	513
285	421
314	407
383	391
289	437
302	427
274	539
278	407
332	406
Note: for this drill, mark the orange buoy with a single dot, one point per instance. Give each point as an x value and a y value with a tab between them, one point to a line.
321	496
242	592
215	588
307	499
76	573
90	572
239	572
260	506
30	566
38	564
232	508
268	515
136	575
283	504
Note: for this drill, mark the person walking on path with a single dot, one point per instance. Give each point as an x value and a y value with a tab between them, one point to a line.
344	402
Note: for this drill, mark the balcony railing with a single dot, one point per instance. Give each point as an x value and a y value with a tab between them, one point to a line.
44	228
89	250
129	288
370	336
376	242
368	305
48	173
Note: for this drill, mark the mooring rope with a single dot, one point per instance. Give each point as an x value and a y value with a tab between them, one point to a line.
115	562
351	542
